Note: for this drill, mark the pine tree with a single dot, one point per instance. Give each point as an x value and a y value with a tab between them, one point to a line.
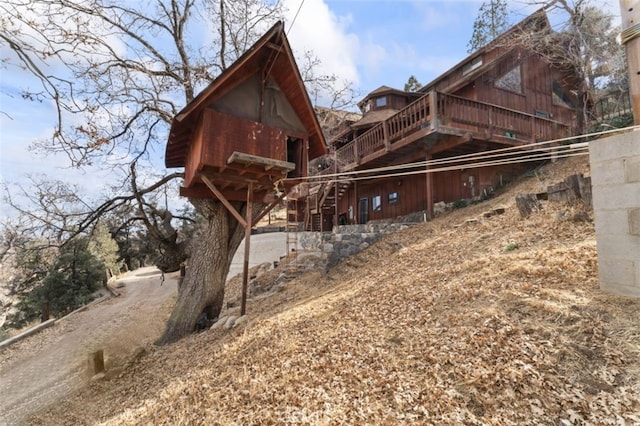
492	20
412	85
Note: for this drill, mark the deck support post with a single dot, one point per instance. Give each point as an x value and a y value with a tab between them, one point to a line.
429	177
247	243
335	188
247	223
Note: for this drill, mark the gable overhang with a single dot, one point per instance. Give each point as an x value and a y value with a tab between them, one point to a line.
537	20
271	56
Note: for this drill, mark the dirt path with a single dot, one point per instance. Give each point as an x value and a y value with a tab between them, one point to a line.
40	369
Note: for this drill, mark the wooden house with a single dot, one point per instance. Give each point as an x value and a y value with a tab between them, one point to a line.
251	128
503	95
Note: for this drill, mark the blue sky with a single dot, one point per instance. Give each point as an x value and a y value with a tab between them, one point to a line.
368	42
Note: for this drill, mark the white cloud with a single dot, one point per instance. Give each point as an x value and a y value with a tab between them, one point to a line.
318	29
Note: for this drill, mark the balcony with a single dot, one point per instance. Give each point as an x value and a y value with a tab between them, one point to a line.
462	119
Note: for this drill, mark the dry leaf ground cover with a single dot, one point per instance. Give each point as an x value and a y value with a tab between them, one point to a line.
491	321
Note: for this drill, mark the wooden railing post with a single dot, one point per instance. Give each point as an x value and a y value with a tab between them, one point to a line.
356	150
433	109
385	132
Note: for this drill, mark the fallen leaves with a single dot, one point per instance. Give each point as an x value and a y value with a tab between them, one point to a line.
436	324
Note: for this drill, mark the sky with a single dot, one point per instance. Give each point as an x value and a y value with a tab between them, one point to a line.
369	43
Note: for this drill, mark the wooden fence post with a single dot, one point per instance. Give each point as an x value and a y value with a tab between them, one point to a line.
46	311
96	362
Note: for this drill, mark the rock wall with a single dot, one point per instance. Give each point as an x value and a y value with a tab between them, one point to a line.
615	179
345	240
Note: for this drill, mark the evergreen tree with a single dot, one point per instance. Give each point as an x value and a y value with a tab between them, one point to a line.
492	20
105	248
412	84
70	282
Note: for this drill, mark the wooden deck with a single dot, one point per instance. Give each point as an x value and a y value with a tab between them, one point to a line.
438	113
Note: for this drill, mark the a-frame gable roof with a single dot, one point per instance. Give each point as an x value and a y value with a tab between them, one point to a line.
534	22
272	55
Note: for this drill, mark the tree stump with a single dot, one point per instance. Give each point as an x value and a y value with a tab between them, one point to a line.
527	203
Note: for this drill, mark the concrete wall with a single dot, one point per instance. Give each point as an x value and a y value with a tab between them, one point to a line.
615	179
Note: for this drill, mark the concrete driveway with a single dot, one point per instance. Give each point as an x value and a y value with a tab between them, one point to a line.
264	248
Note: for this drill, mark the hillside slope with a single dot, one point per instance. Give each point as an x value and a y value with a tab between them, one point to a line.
486	321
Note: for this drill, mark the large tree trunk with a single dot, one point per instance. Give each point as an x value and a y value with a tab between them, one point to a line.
202	289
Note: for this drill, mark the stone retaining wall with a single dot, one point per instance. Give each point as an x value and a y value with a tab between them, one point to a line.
345	240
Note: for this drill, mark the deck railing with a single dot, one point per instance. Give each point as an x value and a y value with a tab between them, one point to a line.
491	121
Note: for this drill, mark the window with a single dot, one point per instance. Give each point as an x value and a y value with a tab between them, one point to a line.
560	96
381	101
511	80
376	203
473	65
393	198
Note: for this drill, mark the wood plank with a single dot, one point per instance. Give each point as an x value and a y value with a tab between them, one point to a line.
251	160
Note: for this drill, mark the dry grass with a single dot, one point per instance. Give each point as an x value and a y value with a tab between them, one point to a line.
493	321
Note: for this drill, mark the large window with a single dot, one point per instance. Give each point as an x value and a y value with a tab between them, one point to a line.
381	101
511	80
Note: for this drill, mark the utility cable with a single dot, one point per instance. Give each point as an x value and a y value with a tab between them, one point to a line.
467	157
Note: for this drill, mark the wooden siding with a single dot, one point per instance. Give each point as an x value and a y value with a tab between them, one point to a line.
224	134
410	189
194	157
448	186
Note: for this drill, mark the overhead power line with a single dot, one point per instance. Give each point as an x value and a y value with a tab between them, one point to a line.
511	155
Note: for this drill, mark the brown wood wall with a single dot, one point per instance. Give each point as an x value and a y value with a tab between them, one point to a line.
537	81
448	186
224	134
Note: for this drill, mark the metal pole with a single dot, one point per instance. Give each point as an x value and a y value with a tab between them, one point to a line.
247	246
630	13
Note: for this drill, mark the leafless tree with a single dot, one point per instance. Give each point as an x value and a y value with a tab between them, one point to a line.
122	71
581	42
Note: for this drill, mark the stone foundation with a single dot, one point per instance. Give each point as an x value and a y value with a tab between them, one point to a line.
345	240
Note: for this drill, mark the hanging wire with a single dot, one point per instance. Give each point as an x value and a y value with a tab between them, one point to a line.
273	62
503	156
295	17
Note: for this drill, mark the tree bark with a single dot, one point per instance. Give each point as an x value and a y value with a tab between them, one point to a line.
212	249
202	289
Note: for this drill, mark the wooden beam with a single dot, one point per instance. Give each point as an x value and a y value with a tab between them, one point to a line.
228	177
271	206
429	192
224	201
630	14
247	250
200	190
